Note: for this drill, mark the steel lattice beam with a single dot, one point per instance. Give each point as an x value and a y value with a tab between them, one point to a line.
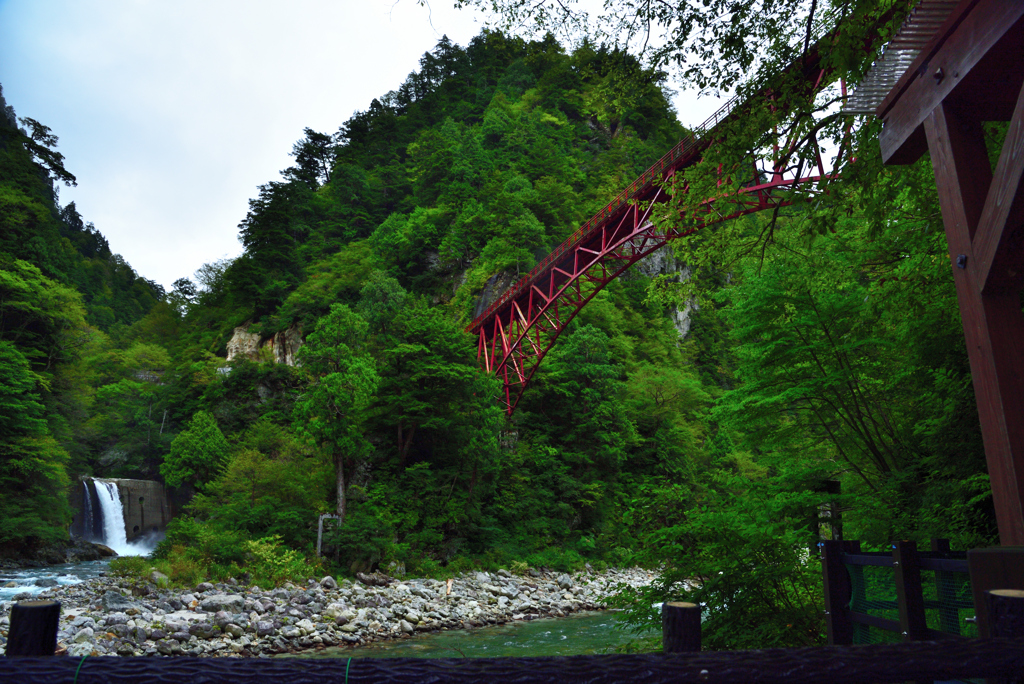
528	325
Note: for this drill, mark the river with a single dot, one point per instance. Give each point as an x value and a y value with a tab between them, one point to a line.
25	579
580	634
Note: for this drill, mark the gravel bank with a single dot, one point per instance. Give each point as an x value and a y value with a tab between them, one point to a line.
104	616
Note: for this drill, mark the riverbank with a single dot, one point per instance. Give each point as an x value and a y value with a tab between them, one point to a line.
110	616
73	550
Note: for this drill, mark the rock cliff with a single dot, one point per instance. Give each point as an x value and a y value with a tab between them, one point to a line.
281	347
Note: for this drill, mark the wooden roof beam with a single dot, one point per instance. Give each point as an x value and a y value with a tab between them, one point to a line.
989	33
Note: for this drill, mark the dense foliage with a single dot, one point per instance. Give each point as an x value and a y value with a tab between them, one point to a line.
688	420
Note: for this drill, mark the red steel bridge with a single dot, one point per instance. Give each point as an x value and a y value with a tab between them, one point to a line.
519	328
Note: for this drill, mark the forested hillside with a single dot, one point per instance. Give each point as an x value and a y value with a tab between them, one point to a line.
64	299
834	354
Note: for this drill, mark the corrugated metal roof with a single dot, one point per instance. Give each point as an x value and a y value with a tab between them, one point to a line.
920	26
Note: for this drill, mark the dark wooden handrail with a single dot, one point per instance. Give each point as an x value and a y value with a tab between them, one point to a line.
920	660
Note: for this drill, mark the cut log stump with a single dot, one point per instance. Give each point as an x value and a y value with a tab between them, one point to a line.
1006	612
33	630
680	627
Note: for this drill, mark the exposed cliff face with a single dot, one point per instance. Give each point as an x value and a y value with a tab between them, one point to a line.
493	289
660	263
281	347
243	343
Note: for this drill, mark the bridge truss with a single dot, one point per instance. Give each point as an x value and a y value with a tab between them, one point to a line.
518	329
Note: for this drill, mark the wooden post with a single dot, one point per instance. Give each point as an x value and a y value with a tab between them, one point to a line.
680	627
1006	612
838	592
993	324
33	629
907	567
320	530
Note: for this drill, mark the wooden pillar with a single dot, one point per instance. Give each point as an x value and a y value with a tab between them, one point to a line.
971	71
975	211
838	592
1000	567
907	568
33	630
680	627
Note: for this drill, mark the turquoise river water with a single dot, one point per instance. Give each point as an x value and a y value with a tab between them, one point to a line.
580	634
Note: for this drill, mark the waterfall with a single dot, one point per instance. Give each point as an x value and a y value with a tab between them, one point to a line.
87	522
114	534
113	515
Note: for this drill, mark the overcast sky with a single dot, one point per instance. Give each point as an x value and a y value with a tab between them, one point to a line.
172	113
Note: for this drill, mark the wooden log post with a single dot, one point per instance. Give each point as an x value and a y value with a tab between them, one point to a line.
680	627
1006	612
909	597
33	630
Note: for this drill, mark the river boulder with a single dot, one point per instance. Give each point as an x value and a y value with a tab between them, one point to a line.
115	601
231	603
104	550
204	630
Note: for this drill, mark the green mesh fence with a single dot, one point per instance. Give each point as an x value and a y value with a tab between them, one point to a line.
948	602
947	599
874	593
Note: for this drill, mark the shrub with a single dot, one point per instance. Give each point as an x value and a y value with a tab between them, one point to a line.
273	563
128	566
183	569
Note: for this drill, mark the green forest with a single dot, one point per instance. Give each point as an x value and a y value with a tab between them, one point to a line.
690	420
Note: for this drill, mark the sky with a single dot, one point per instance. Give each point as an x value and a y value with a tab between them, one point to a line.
171	114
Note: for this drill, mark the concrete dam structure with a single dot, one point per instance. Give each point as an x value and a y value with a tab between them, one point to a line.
116	512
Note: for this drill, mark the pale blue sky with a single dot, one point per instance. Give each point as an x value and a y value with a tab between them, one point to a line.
172	113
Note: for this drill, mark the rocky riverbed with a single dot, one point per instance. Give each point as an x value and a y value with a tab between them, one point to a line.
109	616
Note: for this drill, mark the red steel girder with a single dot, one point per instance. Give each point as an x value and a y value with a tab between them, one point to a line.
614	239
579	273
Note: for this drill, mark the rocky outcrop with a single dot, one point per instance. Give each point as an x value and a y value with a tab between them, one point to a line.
663	262
243	344
284	345
495	287
73	550
280	348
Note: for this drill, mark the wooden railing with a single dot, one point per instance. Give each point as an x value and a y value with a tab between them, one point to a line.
920	661
847	616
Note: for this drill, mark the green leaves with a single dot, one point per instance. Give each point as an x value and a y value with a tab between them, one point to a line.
197	454
343	380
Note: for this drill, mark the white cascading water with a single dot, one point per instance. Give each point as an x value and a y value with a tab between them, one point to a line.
113	522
